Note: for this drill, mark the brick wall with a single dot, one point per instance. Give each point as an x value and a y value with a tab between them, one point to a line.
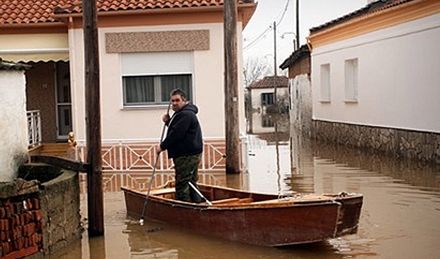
48	203
302	66
21	224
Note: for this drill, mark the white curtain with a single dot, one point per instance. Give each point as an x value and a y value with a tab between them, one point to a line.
170	82
138	90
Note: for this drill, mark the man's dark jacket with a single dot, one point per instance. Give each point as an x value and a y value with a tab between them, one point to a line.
184	136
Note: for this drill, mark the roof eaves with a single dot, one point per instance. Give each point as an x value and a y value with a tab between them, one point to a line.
372	7
296	55
7	65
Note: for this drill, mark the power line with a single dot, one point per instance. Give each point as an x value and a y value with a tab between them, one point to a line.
261	35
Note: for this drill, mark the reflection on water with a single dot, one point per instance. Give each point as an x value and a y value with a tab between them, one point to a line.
400	216
112	182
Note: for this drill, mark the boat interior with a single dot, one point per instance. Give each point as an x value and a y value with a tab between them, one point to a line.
225	197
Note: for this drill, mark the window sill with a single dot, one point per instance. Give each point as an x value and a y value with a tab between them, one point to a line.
324	101
351	101
145	107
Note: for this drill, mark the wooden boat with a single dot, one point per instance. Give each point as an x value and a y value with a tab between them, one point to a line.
253	218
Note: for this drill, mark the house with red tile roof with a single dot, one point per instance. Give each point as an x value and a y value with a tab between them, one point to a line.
146	48
375	80
262	111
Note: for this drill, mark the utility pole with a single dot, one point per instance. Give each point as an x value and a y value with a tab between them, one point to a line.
275	101
297	24
231	88
275	48
93	120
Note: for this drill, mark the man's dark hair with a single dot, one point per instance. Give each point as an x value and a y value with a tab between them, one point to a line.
180	92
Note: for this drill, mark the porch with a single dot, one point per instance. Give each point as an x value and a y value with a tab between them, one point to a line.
125	155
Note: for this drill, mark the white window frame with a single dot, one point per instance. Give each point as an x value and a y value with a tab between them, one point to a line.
325	86
351	80
157	90
156	64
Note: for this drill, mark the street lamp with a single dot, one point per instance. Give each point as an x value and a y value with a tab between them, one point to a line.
294	39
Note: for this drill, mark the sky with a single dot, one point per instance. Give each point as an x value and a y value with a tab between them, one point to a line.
312	13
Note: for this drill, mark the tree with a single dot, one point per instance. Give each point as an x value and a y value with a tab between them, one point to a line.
255	69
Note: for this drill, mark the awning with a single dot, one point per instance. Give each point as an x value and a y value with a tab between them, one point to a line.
34	47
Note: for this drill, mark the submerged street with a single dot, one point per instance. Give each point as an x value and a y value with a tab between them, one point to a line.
399	218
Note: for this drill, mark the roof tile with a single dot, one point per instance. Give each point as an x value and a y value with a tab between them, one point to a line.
28	11
270	82
42	11
372	7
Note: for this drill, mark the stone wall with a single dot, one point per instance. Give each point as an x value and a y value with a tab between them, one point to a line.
423	146
60	204
39	211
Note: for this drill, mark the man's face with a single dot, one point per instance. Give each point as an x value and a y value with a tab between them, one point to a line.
177	102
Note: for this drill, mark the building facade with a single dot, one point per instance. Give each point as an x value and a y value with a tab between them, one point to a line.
374	79
145	50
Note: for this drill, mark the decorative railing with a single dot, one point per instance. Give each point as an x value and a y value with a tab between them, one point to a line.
140	156
34	128
112	182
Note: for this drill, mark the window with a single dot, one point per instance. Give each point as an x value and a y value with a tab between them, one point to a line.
266	98
145	90
267	121
325	83
351	80
148	78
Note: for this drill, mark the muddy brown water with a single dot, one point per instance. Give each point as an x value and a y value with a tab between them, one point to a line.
400	216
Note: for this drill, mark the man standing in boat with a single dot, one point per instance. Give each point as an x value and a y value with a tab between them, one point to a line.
184	144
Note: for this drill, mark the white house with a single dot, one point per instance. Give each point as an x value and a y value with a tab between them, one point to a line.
375	79
146	49
262	99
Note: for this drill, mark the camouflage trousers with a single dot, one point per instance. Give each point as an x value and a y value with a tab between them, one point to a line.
186	168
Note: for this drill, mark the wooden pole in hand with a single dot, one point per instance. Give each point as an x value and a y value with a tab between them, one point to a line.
93	120
231	88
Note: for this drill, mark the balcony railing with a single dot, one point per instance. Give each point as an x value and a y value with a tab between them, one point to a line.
34	128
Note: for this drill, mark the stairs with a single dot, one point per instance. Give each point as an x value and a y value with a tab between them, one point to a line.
51	149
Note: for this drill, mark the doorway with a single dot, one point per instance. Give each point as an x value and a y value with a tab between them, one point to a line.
63	100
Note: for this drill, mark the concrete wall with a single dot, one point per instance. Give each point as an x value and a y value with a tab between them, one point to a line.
301	104
145	123
13	125
398	77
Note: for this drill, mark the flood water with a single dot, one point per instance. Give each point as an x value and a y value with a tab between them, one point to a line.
400	216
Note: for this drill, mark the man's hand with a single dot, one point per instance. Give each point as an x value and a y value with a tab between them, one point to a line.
166	118
158	149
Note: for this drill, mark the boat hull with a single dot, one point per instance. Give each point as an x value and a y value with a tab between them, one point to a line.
265	225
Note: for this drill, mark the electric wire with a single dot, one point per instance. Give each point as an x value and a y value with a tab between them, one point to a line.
261	35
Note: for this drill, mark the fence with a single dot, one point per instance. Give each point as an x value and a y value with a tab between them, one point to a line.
140	156
34	128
